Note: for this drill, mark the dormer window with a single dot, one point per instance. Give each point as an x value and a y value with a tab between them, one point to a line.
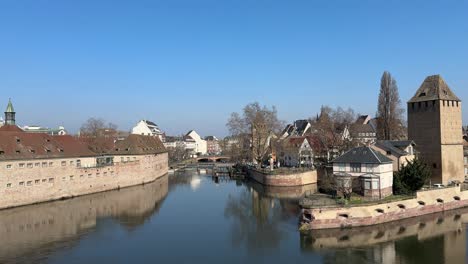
32	151
2	152
18	152
422	94
47	150
18	140
60	150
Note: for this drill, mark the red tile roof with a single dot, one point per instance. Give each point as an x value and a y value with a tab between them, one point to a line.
19	145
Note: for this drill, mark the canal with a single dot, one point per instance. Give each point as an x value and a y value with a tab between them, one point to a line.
189	218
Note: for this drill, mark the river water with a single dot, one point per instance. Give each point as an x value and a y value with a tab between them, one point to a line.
189	218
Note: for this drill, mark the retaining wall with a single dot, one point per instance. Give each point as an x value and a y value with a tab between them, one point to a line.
294	179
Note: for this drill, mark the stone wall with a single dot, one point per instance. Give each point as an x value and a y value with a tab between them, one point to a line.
294	179
426	202
22	182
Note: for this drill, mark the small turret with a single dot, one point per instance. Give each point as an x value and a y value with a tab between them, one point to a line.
10	114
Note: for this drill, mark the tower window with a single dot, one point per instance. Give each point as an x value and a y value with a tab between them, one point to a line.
434	165
443	103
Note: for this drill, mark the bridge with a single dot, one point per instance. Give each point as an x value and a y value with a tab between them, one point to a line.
209	159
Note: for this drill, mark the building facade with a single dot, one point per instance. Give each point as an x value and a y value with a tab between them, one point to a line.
37	167
60	131
213	146
399	151
366	171
295	152
195	143
435	125
148	128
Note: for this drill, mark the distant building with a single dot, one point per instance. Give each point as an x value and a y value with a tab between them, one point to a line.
299	128
399	151
213	146
365	171
60	131
364	130
195	143
435	125
295	152
148	128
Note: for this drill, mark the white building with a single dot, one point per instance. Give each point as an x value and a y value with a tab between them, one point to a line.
148	128
60	131
295	152
193	141
365	171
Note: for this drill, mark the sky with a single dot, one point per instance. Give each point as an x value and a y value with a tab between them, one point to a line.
189	64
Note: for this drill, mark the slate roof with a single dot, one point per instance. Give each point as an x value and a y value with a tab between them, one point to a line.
395	146
434	88
10	108
298	128
364	155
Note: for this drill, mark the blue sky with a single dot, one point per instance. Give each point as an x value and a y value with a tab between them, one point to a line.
189	64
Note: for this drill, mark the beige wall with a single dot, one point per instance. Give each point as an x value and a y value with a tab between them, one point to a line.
26	185
369	211
384	171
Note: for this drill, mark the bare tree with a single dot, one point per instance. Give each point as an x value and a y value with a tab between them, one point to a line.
260	124
330	127
389	111
94	127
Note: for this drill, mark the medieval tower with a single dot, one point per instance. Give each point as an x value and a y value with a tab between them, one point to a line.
435	124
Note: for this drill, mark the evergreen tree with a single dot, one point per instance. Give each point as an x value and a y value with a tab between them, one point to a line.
411	177
389	111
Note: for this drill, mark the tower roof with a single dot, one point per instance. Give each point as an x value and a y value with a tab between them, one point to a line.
434	88
10	108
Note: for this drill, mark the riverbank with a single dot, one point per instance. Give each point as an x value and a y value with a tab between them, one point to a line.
283	177
347	216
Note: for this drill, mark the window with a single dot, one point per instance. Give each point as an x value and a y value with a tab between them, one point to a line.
355	167
466	160
29	183
128	158
21	183
51	179
37	181
90	175
369	168
63	178
341	167
30	165
51	164
64	163
122	159
8	185
98	174
105	173
78	163
44	164
71	162
71	178
44	180
8	166
37	164
21	165
367	185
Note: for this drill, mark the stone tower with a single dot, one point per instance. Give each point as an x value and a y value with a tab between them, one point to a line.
435	124
10	114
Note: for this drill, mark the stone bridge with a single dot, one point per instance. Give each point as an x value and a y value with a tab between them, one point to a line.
213	159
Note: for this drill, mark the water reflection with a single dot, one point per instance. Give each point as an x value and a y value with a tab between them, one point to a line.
30	232
257	214
436	238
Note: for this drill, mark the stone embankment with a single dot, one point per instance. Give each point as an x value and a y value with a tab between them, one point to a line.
425	202
283	178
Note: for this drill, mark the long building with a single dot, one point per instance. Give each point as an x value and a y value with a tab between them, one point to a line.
37	167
